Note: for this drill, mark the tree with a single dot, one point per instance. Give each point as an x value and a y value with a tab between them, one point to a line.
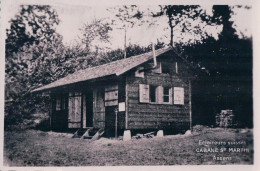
180	19
33	24
33	49
180	15
127	16
31	30
229	63
97	31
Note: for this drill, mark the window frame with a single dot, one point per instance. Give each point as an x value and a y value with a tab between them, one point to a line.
170	97
166	95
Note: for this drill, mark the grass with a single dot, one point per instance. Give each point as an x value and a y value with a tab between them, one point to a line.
37	148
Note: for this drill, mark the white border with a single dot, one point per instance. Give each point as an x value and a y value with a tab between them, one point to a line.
256	76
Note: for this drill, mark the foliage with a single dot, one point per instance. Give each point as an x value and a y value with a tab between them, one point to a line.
97	31
175	15
30	35
117	54
32	51
33	24
127	15
228	61
182	16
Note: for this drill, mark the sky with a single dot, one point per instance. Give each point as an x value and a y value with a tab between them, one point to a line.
73	17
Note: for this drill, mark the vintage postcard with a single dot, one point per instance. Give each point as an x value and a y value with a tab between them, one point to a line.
114	84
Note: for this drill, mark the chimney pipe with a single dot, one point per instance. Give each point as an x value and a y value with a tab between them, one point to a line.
125	44
154	56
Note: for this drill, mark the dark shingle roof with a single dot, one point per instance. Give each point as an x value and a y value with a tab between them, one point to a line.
113	68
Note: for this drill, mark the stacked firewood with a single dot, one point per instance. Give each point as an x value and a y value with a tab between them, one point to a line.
225	119
147	135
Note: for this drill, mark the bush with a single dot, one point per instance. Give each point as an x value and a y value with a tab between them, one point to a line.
19	112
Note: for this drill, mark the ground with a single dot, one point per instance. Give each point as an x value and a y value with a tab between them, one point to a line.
37	148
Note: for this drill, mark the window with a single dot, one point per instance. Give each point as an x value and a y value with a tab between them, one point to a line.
152	93
165	68
166	94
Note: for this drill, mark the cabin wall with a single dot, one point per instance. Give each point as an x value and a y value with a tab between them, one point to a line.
158	116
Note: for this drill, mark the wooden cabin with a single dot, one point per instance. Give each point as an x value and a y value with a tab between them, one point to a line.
144	92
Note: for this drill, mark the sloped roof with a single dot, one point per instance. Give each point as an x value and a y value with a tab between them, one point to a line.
113	68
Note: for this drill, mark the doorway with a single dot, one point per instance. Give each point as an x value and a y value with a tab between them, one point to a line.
89	108
110	120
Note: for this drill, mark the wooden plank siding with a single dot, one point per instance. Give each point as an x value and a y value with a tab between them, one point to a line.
154	115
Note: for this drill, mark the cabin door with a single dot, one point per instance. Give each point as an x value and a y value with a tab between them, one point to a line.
74	114
59	118
89	108
110	120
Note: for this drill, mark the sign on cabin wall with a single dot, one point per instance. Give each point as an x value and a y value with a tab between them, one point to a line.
179	95
121	107
111	95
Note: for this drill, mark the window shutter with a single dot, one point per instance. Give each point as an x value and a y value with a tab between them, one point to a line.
144	93
159	95
170	95
179	95
176	67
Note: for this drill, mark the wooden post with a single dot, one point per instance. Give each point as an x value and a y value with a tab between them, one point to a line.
190	105
126	104
50	111
116	112
81	108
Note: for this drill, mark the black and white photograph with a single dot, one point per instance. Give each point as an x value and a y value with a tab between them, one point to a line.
127	84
